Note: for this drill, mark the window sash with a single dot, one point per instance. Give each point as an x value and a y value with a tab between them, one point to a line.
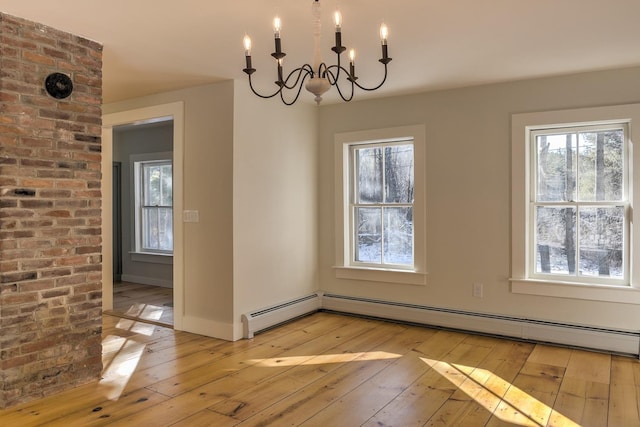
154	220
355	204
579	206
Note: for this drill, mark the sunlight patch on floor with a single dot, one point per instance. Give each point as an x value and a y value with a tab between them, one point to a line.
145	311
121	356
323	359
142	328
501	398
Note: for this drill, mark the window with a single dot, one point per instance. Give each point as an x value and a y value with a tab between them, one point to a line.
154	206
579	223
380	185
381	226
572	204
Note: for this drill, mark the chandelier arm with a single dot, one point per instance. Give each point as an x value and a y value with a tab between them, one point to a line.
259	94
384	79
329	75
300	86
305	69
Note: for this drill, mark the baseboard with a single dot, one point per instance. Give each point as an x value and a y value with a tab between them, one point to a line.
143	280
207	327
612	340
268	317
588	337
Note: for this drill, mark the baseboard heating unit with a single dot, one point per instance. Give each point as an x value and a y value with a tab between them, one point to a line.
617	341
265	318
611	340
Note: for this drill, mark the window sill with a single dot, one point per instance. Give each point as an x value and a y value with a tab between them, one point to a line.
405	277
152	258
617	294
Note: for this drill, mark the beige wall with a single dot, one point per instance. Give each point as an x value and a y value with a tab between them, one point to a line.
250	169
468	192
208	175
261	175
274	201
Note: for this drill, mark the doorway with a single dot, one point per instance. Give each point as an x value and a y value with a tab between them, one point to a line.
153	300
143	221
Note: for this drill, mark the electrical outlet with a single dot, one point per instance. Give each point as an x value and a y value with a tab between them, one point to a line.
477	290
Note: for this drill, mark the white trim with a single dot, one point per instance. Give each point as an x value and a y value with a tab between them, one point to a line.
608	339
210	328
136	164
145	115
521	125
622	341
145	280
342	142
381	275
151	257
619	294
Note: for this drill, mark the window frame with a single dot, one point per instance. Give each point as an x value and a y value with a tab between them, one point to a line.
523	278
353	205
344	266
137	164
534	203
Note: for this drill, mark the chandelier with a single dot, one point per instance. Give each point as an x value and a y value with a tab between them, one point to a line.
320	76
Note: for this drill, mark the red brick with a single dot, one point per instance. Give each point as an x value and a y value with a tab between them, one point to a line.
38	58
50	167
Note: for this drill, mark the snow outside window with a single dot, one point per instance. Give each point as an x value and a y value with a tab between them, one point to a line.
380	205
579	212
574	226
382	177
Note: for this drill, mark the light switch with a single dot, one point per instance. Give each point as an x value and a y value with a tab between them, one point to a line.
191	216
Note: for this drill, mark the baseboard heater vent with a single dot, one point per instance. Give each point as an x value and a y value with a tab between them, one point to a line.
617	341
268	317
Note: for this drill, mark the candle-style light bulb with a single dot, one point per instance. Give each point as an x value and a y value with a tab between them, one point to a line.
384	33
247	45
247	55
352	65
276	27
337	17
278	42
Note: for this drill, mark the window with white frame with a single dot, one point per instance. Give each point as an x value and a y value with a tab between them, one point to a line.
381	204
380	185
154	206
579	205
573	191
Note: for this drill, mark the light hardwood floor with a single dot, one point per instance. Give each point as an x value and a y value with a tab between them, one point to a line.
333	370
143	302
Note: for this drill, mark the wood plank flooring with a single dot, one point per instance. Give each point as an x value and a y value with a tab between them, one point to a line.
332	370
143	302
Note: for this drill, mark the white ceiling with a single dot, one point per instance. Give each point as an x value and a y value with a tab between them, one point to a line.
152	46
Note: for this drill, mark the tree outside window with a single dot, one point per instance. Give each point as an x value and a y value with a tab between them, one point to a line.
382	204
579	202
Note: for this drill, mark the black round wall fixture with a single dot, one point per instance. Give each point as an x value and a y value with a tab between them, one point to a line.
58	85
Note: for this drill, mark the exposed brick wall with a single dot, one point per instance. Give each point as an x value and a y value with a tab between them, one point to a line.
50	212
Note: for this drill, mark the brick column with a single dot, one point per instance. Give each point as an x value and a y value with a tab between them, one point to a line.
50	212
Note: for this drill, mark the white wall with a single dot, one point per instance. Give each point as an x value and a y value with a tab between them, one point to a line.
274	202
468	192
